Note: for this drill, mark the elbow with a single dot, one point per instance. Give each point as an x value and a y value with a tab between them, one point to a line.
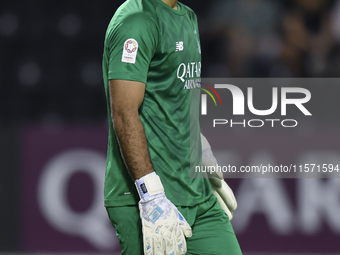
121	116
116	116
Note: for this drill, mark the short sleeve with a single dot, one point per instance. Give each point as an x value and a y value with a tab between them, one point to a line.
131	46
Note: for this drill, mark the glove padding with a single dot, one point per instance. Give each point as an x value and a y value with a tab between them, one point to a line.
164	228
220	188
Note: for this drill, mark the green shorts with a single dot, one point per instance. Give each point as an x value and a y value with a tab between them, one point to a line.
212	231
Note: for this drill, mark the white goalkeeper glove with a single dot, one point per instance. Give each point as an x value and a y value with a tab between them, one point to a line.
221	190
164	227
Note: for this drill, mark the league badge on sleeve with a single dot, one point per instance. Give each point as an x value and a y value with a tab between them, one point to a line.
130	50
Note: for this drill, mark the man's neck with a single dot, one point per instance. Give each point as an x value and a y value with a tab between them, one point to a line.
171	3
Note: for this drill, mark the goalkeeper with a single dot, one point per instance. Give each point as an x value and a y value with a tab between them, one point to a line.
151	69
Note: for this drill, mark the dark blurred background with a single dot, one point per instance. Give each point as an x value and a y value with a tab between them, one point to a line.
53	120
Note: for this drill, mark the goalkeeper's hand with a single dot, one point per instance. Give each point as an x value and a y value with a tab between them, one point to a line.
221	190
164	227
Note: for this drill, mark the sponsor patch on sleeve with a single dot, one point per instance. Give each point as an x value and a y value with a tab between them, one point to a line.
130	50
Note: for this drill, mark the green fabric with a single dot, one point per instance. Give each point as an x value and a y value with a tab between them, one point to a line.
169	62
128	224
212	231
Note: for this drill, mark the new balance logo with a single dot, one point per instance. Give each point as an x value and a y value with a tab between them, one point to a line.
179	46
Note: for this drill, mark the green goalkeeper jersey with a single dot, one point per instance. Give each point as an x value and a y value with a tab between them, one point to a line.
150	42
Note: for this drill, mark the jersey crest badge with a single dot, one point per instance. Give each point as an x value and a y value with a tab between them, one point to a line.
130	50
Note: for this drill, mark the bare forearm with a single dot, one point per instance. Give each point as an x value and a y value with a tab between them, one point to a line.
133	144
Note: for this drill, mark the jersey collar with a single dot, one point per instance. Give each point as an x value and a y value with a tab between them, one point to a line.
180	8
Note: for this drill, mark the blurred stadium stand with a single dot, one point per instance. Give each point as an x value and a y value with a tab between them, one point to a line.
52	102
50	65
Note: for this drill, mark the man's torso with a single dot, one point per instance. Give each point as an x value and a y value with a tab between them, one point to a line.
170	109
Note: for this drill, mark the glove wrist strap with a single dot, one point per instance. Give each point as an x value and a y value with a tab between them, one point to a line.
149	185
